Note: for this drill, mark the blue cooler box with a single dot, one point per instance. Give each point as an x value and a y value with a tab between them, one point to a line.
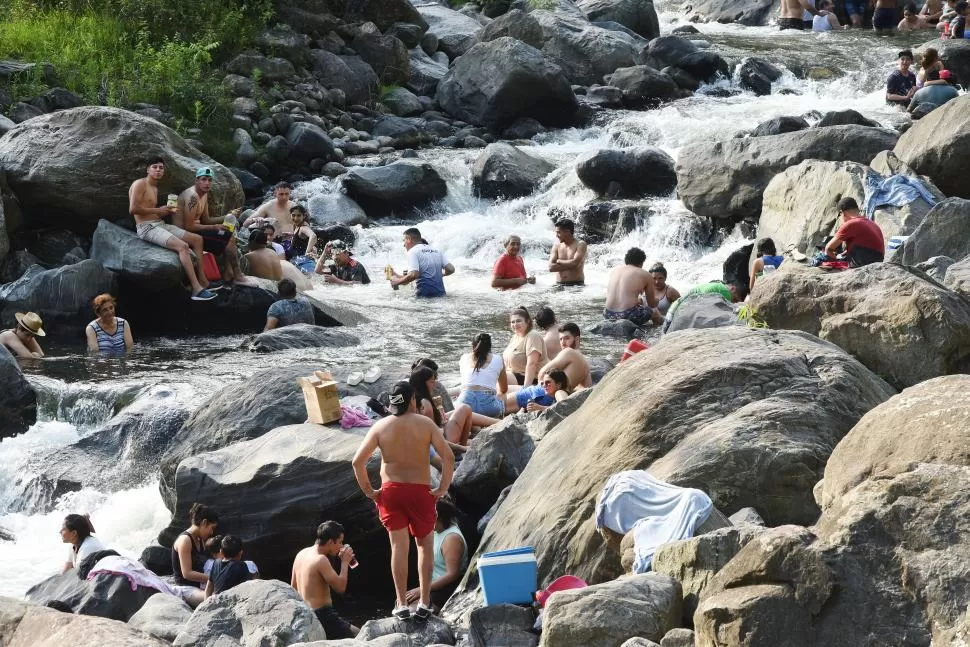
508	576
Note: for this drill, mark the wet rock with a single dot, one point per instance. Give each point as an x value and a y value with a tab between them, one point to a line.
257	612
434	631
844	118
503	81
329	208
252	186
105	596
726	179
585	53
271	70
515	24
668	50
606	96
705	66
402	102
308	141
504	171
637	15
456	32
638	172
502	624
747	12
300	336
426	72
605	220
611	613
621	329
62	296
757	75
387	55
395	188
942	232
283	40
296	476
31	624
73	167
18	400
346	73
643	86
779	125
899	324
403	132
162	616
938	145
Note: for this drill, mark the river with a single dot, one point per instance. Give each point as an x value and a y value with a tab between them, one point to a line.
78	394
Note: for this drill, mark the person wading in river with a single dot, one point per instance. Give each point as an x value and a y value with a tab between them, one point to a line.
405	500
568	256
626	285
792	12
314	576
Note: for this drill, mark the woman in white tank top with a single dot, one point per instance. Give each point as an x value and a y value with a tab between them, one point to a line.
483	378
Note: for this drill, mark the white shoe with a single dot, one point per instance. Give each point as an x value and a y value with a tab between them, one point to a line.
355	378
373	374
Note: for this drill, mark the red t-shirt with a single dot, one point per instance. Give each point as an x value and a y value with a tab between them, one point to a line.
861	232
509	267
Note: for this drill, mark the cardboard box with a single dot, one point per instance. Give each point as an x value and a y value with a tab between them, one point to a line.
321	397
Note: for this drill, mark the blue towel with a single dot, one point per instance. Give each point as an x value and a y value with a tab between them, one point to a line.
895	190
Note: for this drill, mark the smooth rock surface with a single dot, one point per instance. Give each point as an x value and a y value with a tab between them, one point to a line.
395	188
300	336
105	596
148	266
456	32
505	171
643	171
938	146
18	400
433	631
162	616
636	15
944	231
30	625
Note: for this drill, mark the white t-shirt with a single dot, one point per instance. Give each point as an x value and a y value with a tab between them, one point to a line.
428	262
91	544
821	23
487	376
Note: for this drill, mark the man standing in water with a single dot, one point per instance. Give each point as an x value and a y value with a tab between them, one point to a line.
568	255
313	577
426	265
627	283
142	198
405	500
792	12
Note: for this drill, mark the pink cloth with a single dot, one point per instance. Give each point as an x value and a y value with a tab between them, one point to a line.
136	573
352	417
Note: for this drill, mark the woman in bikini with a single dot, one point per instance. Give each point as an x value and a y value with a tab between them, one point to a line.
663	294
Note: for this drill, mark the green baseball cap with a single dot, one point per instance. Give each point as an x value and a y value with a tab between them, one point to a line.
205	171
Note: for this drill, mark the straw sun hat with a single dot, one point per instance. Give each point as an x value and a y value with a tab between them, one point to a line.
31	322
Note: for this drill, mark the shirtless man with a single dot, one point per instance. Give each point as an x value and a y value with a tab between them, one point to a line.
885	17
569	360
624	288
792	12
263	261
545	319
405	499
568	255
142	198
193	215
278	209
22	340
313	578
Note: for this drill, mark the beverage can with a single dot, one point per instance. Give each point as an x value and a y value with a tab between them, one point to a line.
388	272
173	200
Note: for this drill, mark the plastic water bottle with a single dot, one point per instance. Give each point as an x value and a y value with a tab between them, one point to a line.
230	222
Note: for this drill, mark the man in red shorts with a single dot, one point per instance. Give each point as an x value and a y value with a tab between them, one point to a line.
405	500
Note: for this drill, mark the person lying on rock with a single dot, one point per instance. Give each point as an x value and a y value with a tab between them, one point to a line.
228	571
276	211
450	556
213	548
263	261
289	309
570	360
405	500
21	341
568	255
509	271
863	239
552	387
314	576
192	215
142	198
624	288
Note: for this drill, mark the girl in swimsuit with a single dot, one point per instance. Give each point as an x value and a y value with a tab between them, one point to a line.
663	294
188	552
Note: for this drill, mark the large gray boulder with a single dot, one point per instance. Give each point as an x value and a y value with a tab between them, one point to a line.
62	296
503	80
426	72
642	86
18	400
775	427
757	75
505	171
276	489
938	146
747	12
957	277
637	15
162	616
501	624
726	179
515	24
585	53
252	614
104	595
628	172
345	73
387	55
272	69
456	31
402	102
944	231
609	614
433	631
141	263
329	208
398	187
300	336
903	326
72	168
308	141
26	623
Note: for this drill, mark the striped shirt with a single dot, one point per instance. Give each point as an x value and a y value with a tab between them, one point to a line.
115	343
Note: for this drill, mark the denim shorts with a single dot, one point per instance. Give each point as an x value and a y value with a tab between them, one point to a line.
855	8
482	402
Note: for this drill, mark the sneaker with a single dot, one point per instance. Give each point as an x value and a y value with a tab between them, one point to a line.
204	295
423	612
402	613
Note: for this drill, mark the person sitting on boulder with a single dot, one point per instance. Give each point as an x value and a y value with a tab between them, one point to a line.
901	84
193	215
270	230
230	570
263	261
863	239
455	424
313	577
108	333
188	553
77	531
213	548
552	387
662	295
289	309
142	198
934	93
570	359
625	286
545	320
275	211
767	261
345	269
931	12
450	556
509	271
22	340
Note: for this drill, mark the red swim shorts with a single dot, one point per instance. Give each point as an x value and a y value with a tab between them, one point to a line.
409	505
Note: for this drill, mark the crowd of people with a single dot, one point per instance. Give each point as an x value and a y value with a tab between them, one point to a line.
923	91
823	15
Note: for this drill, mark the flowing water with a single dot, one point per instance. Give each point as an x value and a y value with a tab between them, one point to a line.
78	394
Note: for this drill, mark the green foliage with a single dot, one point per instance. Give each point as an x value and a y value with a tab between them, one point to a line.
543	4
387	89
750	316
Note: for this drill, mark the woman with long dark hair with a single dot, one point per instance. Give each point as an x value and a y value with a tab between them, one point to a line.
188	552
456	424
77	530
483	378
